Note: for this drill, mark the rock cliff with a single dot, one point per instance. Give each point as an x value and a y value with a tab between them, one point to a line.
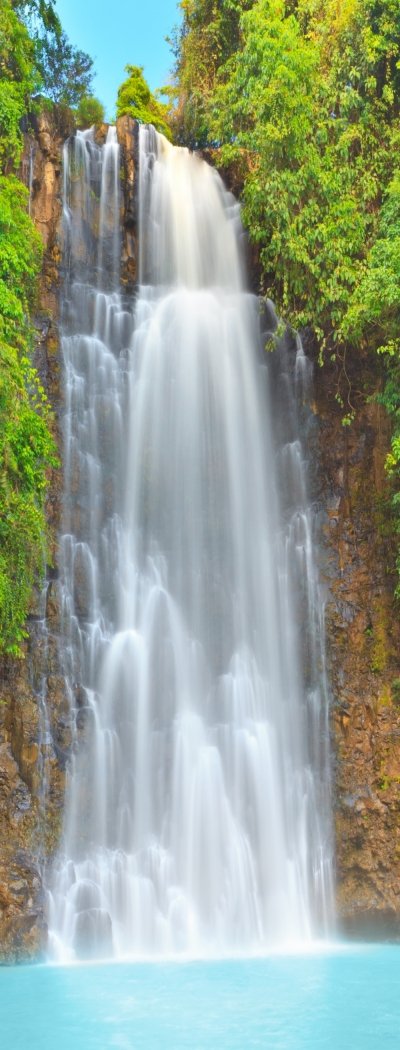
363	636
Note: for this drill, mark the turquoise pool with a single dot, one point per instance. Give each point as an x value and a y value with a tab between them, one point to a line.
347	999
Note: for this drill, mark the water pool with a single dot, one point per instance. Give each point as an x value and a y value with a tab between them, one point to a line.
343	1000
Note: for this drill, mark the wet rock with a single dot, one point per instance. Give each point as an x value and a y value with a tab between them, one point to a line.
127	132
363	647
53	605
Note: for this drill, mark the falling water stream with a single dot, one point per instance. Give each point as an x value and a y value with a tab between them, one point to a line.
197	802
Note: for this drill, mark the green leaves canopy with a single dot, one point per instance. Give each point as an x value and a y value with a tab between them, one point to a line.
66	72
305	100
136	100
26	446
18	80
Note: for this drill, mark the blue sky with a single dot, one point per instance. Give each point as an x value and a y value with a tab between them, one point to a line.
118	32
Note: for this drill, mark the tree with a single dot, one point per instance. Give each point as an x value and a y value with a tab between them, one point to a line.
209	34
90	111
309	100
136	100
66	72
38	14
18	79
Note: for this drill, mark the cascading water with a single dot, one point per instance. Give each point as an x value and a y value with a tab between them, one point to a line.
197	799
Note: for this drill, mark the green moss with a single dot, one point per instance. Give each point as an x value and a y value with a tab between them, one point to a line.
385	697
386	782
396	691
380	651
379	654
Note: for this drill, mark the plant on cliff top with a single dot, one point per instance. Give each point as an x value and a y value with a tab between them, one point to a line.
90	111
136	100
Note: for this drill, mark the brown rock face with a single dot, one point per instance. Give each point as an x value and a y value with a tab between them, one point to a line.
20	817
363	646
127	132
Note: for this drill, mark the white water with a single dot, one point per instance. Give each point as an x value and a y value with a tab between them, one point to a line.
197	800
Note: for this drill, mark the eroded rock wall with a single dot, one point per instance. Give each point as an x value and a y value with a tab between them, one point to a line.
363	635
127	132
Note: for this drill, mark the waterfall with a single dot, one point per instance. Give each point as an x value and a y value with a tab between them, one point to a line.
197	800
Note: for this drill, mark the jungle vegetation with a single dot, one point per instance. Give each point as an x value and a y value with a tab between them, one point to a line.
303	97
37	65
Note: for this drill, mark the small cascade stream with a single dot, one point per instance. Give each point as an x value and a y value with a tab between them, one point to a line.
197	804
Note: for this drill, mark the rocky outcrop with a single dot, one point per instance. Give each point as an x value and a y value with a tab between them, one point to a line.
127	132
21	902
363	636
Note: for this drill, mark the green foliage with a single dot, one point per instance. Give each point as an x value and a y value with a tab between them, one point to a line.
304	99
38	14
136	100
18	79
90	111
63	73
26	445
301	100
396	691
35	57
66	72
374	315
209	34
306	93
375	305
